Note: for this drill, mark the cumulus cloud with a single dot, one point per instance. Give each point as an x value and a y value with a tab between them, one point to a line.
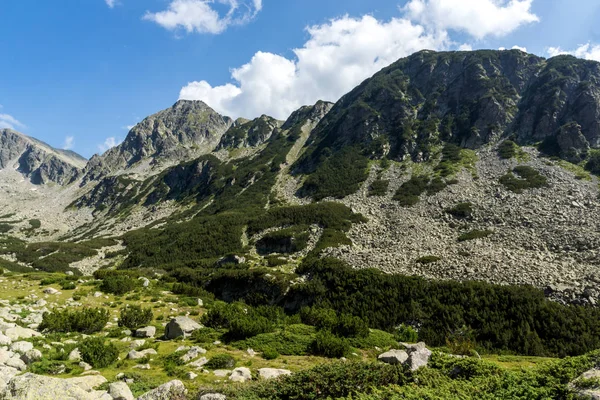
479	18
343	52
586	51
109	143
111	3
9	122
205	16
69	143
523	49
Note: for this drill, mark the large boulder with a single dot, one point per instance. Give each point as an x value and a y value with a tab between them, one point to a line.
120	391
21	347
270	373
4	340
18	332
174	390
418	355
585	391
32	356
241	374
199	363
147	332
393	357
193	353
36	387
181	326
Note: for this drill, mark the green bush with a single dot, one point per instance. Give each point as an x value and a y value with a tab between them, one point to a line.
507	150
221	361
406	333
67	285
35	223
461	210
97	353
328	345
428	259
118	284
593	163
379	187
246	326
134	317
529	179
270	354
87	320
474	234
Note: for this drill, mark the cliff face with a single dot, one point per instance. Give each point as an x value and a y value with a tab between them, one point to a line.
37	161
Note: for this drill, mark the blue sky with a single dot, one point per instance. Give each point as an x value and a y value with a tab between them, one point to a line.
77	73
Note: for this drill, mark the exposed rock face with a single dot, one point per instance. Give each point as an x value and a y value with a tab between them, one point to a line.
37	161
469	98
241	374
249	134
186	130
120	391
36	387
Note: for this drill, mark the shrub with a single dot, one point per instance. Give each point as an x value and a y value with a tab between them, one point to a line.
134	317
270	354
118	284
428	259
221	361
461	210
97	353
593	164
88	320
68	285
474	234
246	326
379	187
406	333
205	335
529	179
507	150
408	194
349	326
328	345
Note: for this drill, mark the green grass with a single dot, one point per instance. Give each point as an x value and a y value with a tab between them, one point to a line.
474	234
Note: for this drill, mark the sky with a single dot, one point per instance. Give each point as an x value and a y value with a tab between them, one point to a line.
78	74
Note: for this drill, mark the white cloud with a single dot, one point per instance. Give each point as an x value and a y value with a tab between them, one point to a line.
343	52
479	18
109	143
69	143
111	3
338	56
204	16
586	51
9	122
523	49
465	47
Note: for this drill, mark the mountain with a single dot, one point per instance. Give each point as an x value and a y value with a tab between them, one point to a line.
453	165
188	129
37	161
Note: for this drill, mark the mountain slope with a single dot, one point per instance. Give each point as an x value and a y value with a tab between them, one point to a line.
37	161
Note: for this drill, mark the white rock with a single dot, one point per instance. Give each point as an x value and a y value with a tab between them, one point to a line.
32	356
75	355
120	391
213	396
193	352
168	391
142	366
4	340
86	367
241	374
136	355
147	332
181	326
270	373
51	290
393	357
191	376
88	383
18	332
35	387
199	363
17	363
221	372
135	343
21	347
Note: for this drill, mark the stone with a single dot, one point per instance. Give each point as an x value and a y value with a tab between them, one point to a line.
174	390
393	357
136	355
36	387
251	352
5	355
120	391
75	355
221	372
200	302
32	356
213	396
147	332
199	363
4	340
142	366
418	355
18	332
241	374
270	373
21	347
135	343
181	326
193	352
88	383
126	332
145	281
17	363
51	291
86	367
191	376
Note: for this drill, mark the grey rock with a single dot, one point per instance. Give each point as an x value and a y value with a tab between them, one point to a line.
213	396
35	387
270	373
31	356
193	353
120	391
181	326
240	374
393	357
174	390
136	355
147	332
21	347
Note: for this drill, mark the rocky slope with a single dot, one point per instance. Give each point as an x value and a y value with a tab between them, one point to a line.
188	163
37	161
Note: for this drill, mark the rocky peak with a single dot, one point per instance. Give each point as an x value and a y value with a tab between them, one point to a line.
314	113
246	133
186	130
38	161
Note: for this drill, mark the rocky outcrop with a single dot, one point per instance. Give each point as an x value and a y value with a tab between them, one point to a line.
414	356
186	130
249	133
36	387
37	161
174	390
